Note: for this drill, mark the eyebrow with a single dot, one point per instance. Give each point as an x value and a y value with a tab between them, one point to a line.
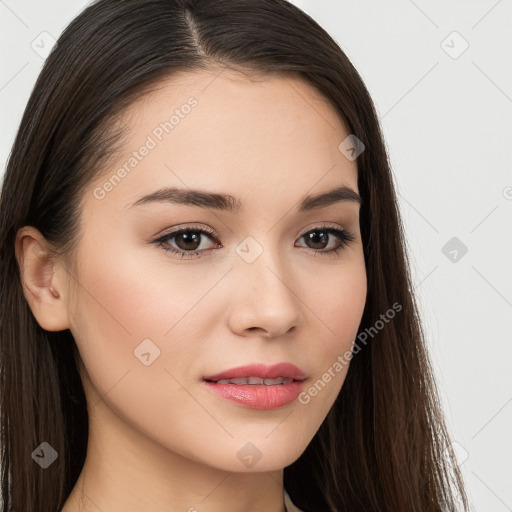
226	202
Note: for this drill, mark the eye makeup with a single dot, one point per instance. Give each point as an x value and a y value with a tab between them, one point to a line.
322	234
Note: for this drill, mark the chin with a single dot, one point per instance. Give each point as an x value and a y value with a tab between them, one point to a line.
257	455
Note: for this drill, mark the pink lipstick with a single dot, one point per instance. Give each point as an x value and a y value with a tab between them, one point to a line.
258	386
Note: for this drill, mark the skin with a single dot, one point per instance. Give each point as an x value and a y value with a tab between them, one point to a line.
158	439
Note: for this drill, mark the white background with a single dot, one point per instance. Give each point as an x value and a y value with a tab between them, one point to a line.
447	122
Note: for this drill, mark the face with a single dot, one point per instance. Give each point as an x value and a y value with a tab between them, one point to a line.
158	309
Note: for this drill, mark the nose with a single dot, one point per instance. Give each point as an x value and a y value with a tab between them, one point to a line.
264	302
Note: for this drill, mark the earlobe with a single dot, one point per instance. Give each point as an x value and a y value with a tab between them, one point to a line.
41	280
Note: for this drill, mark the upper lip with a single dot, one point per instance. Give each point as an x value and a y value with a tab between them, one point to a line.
261	370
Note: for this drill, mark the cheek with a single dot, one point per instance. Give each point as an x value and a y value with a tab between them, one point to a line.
339	298
132	296
338	306
138	318
119	324
110	318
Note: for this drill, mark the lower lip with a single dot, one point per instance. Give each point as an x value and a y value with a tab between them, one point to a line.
258	396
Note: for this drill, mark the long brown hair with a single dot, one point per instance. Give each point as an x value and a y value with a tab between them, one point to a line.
384	445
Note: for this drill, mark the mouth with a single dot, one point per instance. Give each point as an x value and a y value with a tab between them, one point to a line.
258	386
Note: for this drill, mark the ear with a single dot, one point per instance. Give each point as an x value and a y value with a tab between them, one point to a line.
44	286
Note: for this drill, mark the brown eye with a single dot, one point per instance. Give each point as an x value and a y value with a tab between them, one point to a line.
318	238
187	241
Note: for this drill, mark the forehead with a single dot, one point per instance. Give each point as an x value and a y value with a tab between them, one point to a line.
226	99
228	131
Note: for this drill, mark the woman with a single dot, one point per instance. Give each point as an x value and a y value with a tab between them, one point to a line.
206	300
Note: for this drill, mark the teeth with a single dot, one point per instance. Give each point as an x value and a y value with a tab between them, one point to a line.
279	380
255	381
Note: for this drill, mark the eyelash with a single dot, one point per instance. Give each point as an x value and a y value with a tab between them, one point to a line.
345	238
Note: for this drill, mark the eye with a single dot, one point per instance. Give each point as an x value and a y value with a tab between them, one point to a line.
189	240
320	235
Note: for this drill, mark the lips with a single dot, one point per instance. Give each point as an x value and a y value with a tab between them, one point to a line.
258	386
254	374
